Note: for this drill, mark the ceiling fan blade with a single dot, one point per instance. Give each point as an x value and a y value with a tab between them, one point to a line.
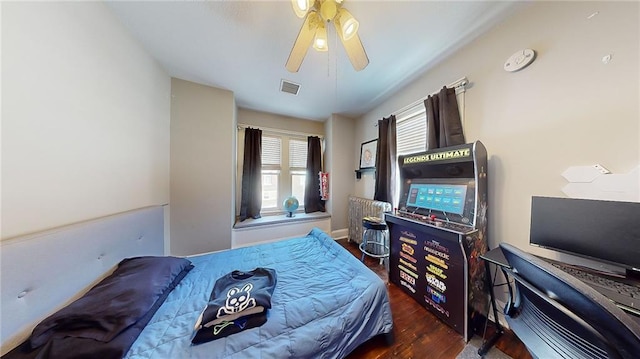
355	50
303	41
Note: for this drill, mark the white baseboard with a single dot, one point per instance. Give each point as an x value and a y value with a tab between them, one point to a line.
340	233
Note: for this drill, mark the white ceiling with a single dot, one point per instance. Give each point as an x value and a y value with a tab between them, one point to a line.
243	46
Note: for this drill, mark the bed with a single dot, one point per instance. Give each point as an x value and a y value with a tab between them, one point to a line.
324	305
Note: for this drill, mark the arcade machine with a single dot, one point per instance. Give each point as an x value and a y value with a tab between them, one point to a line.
439	231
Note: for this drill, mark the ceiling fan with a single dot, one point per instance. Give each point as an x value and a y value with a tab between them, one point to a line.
317	15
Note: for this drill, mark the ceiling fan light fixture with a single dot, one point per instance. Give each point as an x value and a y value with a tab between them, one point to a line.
320	42
313	33
328	10
301	7
348	24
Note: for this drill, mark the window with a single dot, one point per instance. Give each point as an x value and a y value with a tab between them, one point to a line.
297	167
271	155
298	181
270	189
284	161
411	130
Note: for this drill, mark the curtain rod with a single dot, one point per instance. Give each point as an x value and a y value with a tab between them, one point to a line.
458	84
242	126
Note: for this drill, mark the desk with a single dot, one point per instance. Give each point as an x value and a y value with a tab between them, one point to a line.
496	257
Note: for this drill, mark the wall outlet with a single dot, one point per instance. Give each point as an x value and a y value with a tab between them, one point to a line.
601	169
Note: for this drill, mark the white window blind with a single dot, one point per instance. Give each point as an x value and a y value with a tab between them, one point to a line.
271	152
297	154
411	130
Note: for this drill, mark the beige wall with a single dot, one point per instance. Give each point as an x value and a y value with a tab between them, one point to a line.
269	120
85	117
340	134
203	129
567	108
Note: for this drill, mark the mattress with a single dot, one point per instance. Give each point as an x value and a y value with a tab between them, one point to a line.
325	304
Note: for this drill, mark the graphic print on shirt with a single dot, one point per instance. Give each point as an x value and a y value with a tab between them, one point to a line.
240	323
237	300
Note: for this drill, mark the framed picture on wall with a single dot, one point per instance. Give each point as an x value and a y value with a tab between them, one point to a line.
368	154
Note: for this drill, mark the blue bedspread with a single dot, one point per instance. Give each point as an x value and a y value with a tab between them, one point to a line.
325	304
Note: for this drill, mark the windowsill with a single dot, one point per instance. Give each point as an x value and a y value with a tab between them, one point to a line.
280	219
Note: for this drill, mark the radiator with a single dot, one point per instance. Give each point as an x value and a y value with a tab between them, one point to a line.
362	207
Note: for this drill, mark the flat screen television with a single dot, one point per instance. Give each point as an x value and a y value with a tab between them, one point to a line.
605	231
449	199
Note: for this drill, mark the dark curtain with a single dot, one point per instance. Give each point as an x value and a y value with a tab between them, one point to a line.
312	199
251	175
386	160
444	127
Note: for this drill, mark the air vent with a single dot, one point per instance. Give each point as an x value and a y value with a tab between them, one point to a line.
289	87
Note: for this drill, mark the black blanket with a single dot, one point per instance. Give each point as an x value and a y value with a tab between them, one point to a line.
105	321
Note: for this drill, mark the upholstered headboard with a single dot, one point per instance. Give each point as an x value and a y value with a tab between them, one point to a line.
42	272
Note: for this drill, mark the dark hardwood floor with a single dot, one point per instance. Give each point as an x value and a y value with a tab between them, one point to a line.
418	333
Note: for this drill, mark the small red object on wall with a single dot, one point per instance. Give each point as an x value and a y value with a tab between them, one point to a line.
324	185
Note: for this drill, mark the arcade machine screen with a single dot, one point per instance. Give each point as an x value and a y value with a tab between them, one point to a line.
447	199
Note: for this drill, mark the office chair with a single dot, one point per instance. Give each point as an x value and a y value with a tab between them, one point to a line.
556	315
